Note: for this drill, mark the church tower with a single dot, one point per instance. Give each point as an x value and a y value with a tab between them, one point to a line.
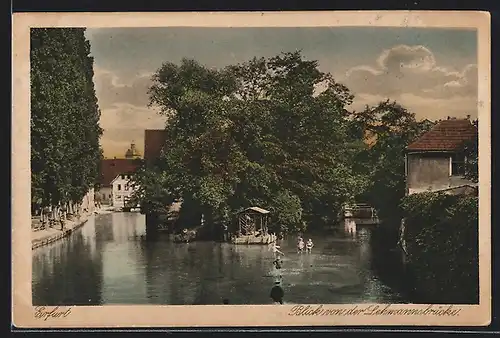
132	152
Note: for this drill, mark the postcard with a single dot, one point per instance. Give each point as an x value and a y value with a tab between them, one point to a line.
251	169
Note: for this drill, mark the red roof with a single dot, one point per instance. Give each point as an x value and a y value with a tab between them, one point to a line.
446	135
110	168
154	139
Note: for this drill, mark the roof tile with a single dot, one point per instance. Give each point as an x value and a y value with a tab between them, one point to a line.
110	168
447	135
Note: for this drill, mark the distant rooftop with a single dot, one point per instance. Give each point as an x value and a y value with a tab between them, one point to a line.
110	168
446	135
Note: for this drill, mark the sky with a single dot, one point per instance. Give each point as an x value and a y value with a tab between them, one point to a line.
432	72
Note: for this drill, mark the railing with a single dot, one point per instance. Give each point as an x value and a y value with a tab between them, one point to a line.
363	213
245	226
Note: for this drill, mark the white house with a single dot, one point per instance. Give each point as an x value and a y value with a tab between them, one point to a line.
122	189
105	195
111	169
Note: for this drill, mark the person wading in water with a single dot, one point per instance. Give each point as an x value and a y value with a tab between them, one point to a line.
275	249
309	245
278	263
300	245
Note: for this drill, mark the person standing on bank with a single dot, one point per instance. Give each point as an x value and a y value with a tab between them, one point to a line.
277	293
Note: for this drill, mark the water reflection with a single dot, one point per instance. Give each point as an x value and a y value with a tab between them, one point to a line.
350	226
68	272
108	261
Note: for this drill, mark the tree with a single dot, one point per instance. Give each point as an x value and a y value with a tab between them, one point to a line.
389	128
255	133
65	132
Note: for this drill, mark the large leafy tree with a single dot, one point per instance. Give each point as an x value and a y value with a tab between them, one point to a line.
388	128
256	133
65	132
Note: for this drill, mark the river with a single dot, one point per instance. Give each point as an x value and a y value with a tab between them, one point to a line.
108	261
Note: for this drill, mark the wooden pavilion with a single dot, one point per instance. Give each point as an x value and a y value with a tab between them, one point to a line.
253	227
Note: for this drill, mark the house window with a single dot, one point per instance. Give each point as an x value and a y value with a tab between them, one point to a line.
457	165
119	187
110	196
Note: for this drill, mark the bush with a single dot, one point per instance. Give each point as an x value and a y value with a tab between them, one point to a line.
442	244
288	212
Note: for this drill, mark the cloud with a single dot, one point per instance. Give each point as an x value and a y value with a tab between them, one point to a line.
124	112
465	84
440	108
111	89
125	115
406	57
124	123
424	107
410	75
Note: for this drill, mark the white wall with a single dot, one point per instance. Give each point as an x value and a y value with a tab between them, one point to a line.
106	195
121	190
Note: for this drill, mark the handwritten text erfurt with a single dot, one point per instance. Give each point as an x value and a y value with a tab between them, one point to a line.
44	313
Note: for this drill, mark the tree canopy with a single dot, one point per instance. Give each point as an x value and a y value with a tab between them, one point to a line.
274	132
65	132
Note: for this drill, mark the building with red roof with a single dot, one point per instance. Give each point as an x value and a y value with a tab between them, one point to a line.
115	176
436	161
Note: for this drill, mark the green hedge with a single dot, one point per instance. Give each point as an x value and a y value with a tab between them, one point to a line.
442	244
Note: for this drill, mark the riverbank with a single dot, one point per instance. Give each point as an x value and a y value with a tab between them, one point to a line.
43	237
